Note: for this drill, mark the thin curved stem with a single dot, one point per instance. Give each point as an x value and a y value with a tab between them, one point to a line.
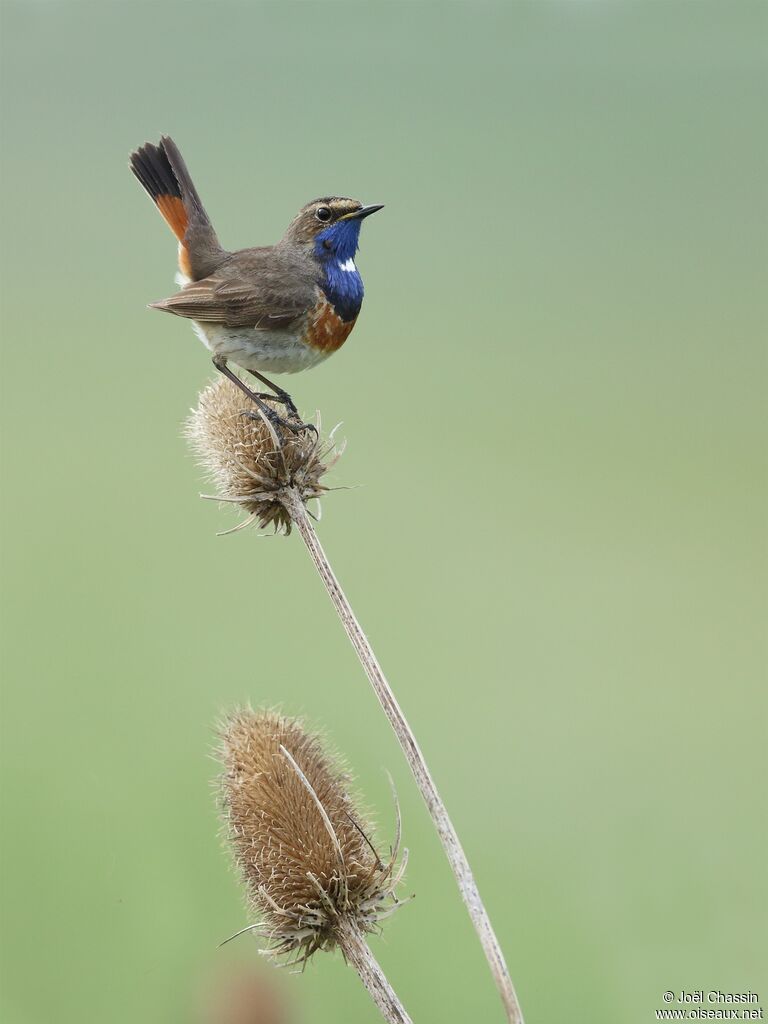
356	952
448	836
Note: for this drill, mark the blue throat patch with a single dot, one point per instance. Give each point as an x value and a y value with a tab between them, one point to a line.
335	249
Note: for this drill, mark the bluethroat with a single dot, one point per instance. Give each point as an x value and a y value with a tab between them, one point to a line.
279	308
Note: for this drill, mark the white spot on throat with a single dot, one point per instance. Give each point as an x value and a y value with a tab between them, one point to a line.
348	266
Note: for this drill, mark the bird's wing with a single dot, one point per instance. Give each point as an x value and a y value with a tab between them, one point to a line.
256	292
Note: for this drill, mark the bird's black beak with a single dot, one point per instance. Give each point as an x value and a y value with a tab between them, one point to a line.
360	214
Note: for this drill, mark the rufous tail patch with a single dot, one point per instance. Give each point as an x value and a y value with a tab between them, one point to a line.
172	209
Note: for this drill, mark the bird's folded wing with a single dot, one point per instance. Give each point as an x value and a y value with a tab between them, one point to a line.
236	304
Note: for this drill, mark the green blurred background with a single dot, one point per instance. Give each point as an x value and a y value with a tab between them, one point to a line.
552	409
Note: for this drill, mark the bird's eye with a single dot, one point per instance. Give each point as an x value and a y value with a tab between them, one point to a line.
323	213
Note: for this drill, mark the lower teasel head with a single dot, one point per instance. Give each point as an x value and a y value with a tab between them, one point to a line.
300	841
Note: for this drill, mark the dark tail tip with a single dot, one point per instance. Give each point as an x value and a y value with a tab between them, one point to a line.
153	169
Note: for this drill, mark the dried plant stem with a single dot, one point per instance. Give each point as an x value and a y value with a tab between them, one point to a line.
450	840
356	952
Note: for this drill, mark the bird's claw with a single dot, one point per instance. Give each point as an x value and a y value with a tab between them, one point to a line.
278	421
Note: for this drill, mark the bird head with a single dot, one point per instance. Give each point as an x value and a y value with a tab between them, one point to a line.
331	226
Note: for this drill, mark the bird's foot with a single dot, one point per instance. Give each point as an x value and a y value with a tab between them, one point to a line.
295	423
282	398
279	422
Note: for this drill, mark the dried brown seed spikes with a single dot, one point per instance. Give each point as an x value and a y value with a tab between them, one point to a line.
252	464
301	843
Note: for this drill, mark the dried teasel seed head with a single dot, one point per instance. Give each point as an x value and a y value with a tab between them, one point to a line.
253	464
300	841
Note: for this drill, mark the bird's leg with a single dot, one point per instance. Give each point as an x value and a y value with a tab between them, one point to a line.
272	416
281	395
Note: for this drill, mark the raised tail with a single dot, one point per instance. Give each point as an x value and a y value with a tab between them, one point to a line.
164	175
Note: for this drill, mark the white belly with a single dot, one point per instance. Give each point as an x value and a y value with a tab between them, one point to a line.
253	349
270	351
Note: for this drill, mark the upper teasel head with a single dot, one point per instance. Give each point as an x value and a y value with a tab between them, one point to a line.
251	464
302	843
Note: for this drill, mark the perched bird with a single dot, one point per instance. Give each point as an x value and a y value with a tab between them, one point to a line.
280	308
